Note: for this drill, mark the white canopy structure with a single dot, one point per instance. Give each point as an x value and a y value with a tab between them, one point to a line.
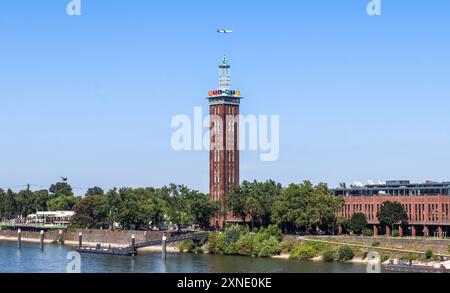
57	217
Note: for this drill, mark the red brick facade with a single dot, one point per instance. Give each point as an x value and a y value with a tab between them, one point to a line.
224	153
424	212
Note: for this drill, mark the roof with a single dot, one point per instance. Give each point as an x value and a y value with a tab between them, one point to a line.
58	214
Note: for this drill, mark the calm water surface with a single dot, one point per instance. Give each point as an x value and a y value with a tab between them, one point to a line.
29	259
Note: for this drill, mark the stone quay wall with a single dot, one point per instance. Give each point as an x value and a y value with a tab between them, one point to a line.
91	237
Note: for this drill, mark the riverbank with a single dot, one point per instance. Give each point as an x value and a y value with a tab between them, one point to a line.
389	249
417	252
53	259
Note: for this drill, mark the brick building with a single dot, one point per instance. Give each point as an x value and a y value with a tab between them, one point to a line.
224	139
427	205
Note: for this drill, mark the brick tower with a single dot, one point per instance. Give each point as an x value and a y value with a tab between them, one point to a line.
224	152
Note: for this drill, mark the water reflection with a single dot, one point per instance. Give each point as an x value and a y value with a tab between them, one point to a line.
53	259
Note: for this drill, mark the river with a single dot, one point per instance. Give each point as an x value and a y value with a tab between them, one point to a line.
53	259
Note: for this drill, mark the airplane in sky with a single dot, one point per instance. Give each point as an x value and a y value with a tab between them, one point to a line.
224	31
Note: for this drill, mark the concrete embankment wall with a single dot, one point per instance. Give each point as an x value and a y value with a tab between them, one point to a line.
49	237
116	238
438	246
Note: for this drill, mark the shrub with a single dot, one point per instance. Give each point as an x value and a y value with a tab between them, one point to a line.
186	245
376	243
287	245
365	253
237	240
429	254
328	256
211	245
275	231
395	233
410	257
303	251
231	235
244	246
266	233
318	246
268	247
368	233
220	244
345	253
384	257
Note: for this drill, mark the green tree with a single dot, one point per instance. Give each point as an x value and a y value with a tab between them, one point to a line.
392	213
237	201
62	203
60	189
41	198
9	204
261	199
2	203
135	208
25	202
358	222
94	191
185	206
91	212
305	206
200	208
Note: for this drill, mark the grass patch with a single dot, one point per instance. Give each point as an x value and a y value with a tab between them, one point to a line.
376	243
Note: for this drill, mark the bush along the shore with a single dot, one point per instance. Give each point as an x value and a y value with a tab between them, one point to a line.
328	256
238	240
429	254
190	246
304	251
308	250
287	246
345	253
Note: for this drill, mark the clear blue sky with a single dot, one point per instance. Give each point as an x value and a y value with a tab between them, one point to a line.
92	97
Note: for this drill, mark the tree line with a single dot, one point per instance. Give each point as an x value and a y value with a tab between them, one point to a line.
297	207
131	208
258	204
